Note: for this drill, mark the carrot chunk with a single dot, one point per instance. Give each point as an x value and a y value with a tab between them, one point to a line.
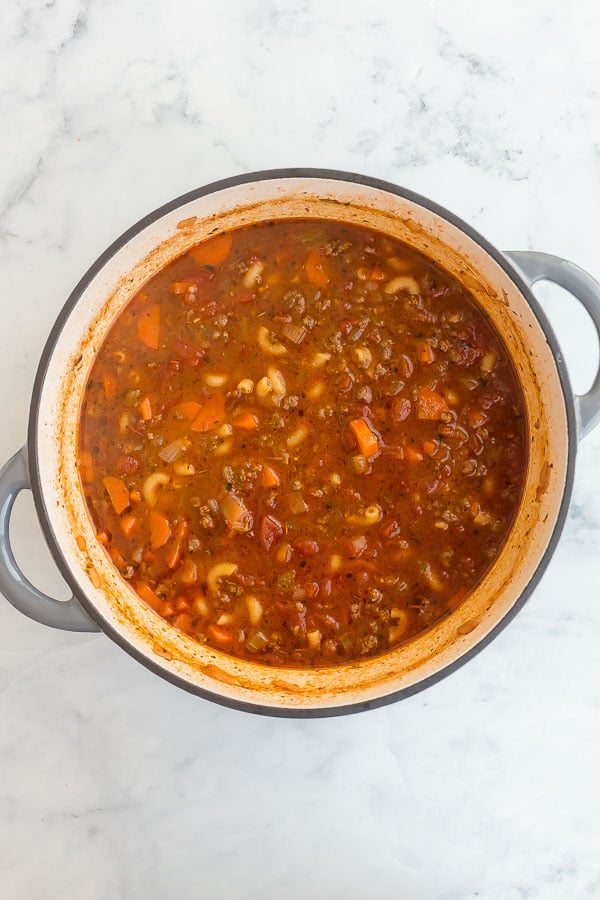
237	516
188	572
367	440
160	529
129	525
148	326
148	595
210	414
189	409
430	405
246	421
222	636
174	550
86	466
146	409
212	252
118	493
412	455
425	354
109	385
269	477
316	268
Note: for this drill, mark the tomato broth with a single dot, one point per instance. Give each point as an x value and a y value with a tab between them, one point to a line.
302	443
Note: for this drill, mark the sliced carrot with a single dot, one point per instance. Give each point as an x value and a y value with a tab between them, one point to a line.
160	529
174	550
212	252
189	409
148	595
367	440
146	409
210	414
269	477
109	385
412	455
221	635
430	405
246	421
237	516
477	418
188	572
316	268
425	354
377	275
118	493
183	622
429	447
86	466
148	326
129	525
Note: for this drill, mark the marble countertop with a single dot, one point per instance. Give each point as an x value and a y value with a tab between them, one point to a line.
115	785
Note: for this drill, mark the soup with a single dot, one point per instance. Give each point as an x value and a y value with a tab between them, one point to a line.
302	443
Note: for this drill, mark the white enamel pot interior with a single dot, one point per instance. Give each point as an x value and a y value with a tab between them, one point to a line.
80	330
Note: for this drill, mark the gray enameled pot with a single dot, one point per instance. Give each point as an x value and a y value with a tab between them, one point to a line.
102	601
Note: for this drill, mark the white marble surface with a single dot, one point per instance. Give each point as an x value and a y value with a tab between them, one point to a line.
113	784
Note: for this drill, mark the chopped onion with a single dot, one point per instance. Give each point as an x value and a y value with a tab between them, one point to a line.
174	450
294	333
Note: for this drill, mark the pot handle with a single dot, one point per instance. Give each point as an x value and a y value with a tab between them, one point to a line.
17	589
543	266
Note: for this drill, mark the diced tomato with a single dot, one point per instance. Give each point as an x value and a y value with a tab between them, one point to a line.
307	547
186	351
127	465
269	531
390	529
293	618
430	405
401	409
356	546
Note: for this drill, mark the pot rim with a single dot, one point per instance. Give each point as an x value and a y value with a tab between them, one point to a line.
282	174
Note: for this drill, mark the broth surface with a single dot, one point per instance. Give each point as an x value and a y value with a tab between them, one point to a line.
302	443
